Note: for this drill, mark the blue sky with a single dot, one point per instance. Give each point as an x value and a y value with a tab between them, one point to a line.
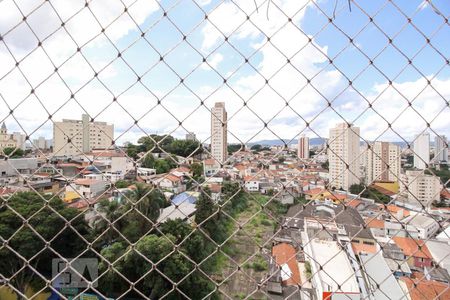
246	82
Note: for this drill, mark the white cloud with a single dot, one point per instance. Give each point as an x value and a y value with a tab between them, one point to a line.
213	61
265	103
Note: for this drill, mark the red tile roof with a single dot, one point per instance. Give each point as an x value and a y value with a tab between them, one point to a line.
358	248
286	254
172	178
86	181
410	247
374	223
426	289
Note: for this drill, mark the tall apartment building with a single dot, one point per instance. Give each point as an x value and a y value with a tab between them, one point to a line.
303	147
72	137
421	188
42	143
20	139
190	136
440	149
343	151
382	162
219	132
6	139
422	151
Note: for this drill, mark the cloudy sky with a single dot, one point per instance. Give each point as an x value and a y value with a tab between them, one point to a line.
284	65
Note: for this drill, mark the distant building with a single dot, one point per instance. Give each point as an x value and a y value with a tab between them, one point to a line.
20	139
6	140
422	151
419	188
72	137
440	149
382	162
219	132
344	164
42	143
303	147
191	136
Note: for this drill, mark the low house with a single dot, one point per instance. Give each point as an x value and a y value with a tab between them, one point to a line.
419	289
87	188
414	251
210	167
251	184
171	183
184	211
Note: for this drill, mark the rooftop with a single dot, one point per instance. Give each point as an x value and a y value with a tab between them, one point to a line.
285	256
410	247
336	268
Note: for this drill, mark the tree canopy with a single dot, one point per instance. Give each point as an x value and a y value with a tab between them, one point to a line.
46	223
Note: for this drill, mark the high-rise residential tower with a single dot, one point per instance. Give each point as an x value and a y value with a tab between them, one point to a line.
343	152
422	151
219	132
382	162
72	137
440	149
303	147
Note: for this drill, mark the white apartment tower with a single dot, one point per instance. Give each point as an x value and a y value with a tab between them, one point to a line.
72	137
219	149
20	139
383	162
343	151
303	147
422	151
440	149
422	189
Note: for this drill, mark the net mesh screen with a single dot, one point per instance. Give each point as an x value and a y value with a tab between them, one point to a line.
224	149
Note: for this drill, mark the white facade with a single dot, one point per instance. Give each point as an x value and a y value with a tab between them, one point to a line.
20	140
41	143
344	150
440	149
219	149
252	185
414	226
87	188
422	151
420	188
303	147
382	162
72	137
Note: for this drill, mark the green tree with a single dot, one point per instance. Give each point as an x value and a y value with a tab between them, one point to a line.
149	161
197	170
13	152
256	147
132	151
185	148
232	192
156	143
47	226
234	148
120	184
205	211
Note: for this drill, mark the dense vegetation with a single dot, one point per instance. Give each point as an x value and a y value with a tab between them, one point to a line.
13	152
164	143
369	192
443	174
40	220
